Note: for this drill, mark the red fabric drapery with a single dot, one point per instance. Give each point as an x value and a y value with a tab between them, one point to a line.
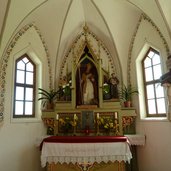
83	139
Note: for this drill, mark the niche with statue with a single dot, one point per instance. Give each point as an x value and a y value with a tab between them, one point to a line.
90	85
87	80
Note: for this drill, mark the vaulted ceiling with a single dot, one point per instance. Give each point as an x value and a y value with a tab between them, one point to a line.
60	21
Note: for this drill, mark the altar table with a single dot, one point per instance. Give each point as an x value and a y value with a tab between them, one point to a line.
84	150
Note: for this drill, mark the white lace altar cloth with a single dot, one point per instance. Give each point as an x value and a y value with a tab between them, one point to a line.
84	152
136	139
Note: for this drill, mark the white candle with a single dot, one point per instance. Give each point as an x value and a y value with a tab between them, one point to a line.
75	116
97	115
116	115
57	116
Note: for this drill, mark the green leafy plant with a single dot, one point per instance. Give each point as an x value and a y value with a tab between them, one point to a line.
48	97
127	92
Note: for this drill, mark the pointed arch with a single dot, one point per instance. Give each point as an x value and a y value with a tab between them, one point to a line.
6	56
143	17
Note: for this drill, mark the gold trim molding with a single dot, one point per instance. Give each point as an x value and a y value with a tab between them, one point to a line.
84	38
148	19
5	58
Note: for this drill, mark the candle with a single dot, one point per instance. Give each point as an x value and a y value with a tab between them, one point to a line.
75	116
116	115
97	115
57	116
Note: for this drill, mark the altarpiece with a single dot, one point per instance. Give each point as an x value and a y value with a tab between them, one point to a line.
88	102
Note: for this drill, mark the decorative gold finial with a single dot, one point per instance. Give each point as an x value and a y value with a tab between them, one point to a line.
85	28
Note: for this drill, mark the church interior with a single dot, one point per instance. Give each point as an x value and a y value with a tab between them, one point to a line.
88	79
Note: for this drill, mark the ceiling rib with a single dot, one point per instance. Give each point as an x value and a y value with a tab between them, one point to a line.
57	53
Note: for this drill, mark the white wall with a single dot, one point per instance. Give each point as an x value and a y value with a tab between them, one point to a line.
156	154
19	137
18	151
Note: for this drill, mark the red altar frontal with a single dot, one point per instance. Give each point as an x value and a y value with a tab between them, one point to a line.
85	153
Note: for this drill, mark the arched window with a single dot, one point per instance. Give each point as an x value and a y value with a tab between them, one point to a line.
24	87
154	92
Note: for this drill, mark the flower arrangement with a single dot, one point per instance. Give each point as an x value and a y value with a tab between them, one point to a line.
127	121
106	123
65	88
66	123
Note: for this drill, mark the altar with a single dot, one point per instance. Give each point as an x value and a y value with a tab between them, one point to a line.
85	153
88	118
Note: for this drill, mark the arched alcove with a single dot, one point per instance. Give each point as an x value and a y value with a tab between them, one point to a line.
20	44
87	80
87	48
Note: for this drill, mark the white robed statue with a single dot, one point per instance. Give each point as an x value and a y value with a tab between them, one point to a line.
88	85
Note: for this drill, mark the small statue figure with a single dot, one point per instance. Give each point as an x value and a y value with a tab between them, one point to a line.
113	82
89	87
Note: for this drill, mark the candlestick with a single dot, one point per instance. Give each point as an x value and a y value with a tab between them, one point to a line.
75	124
97	122
57	116
57	131
116	126
75	117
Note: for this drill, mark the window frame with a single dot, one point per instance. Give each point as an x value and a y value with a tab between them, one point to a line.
153	82
24	85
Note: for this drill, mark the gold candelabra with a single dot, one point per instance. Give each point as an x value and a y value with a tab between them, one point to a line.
116	125
57	123
74	124
74	132
97	123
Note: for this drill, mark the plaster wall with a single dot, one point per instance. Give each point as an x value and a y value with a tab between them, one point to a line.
20	137
18	145
18	10
156	154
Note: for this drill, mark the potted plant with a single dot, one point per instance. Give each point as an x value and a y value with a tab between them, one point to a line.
48	98
126	94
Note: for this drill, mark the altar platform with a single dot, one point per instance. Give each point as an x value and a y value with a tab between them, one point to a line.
85	153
